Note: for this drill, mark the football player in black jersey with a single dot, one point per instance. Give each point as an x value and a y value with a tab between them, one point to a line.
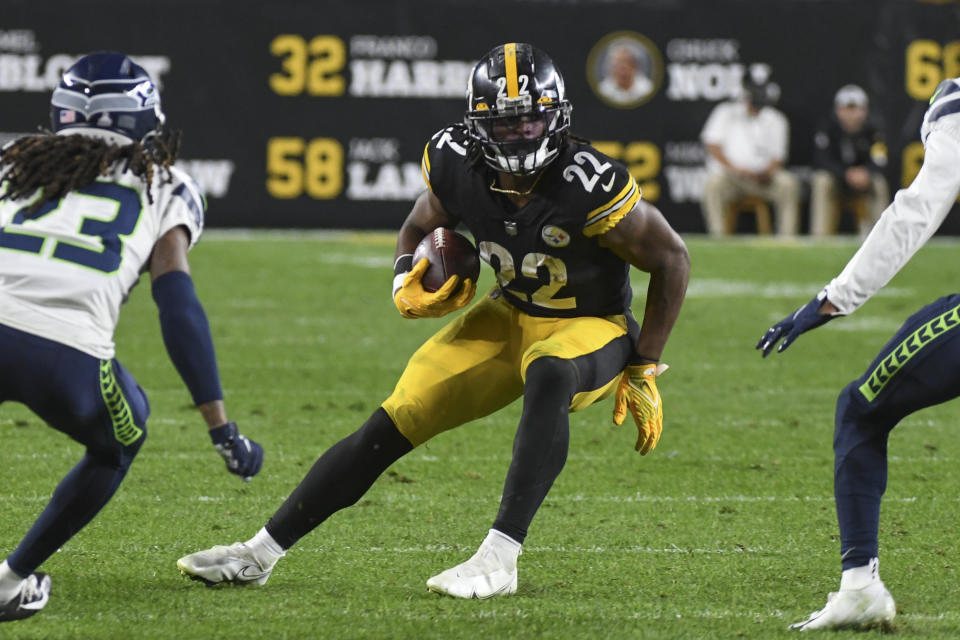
560	224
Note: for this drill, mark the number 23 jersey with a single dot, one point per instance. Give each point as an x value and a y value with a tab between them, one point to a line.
547	254
66	268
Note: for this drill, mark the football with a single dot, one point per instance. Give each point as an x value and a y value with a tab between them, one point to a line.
450	254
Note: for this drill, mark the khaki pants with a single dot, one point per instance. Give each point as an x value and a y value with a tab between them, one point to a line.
723	188
825	203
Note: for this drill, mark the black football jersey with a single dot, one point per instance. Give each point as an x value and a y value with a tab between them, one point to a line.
546	254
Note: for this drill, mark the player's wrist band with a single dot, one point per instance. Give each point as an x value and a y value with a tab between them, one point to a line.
403	264
401	267
639	359
224	434
398	282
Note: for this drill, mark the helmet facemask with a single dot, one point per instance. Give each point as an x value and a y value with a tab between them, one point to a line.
520	144
521	134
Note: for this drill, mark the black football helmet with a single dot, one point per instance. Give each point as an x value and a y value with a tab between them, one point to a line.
517	109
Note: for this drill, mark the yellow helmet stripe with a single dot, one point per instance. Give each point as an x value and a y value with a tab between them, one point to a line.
510	61
425	166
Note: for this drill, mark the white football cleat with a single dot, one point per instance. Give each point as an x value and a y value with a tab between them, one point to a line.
33	596
491	571
870	606
235	564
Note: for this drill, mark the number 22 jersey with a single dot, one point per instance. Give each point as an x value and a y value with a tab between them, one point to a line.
67	267
547	255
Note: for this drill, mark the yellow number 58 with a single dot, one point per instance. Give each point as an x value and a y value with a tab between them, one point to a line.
295	166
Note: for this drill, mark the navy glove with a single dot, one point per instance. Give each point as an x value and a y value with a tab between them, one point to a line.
242	455
803	319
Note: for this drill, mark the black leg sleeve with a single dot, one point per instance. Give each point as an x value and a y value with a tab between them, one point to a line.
339	478
540	447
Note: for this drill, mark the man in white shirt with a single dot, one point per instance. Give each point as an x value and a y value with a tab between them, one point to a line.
746	142
917	368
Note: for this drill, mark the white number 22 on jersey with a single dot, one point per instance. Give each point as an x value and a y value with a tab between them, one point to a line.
583	158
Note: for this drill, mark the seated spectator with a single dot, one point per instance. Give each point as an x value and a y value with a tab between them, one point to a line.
849	158
746	142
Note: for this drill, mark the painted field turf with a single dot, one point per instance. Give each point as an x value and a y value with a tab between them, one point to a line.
726	530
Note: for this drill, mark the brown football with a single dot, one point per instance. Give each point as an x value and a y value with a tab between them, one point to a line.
450	254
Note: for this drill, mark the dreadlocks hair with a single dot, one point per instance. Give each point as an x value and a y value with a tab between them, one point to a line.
56	165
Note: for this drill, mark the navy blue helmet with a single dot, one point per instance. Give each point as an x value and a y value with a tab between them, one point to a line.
107	90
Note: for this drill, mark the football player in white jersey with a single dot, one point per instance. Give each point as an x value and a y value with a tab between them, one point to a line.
917	368
84	211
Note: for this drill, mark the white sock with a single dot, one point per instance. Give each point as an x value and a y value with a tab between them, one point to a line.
505	543
10	582
266	550
860	577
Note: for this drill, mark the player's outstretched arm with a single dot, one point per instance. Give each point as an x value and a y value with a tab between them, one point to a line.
411	299
907	223
186	335
645	239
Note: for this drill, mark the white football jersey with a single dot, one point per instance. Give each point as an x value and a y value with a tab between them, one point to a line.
944	109
916	211
66	268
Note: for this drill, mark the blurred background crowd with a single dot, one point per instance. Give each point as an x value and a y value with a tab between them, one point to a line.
793	117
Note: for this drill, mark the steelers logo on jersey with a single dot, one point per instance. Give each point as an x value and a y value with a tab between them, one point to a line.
555	236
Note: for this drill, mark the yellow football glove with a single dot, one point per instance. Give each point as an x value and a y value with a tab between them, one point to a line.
414	301
638	391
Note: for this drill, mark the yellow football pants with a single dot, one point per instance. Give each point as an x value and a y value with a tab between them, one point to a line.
477	364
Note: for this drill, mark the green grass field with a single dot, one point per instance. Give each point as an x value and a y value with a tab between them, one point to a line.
727	530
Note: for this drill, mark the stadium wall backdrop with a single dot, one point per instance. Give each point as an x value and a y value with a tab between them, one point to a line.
315	114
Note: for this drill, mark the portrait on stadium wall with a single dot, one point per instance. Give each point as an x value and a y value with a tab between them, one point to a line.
624	69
